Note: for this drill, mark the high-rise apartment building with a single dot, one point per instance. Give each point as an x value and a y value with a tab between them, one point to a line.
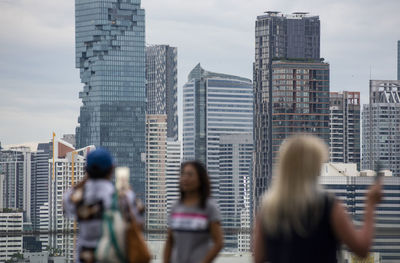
15	165
345	132
351	186
277	36
39	181
381	125
69	169
162	85
173	171
235	157
11	244
300	100
156	153
110	53
214	104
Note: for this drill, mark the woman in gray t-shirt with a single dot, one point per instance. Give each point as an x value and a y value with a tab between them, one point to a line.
194	234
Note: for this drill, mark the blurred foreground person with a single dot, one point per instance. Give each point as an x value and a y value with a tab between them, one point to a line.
298	220
194	234
89	200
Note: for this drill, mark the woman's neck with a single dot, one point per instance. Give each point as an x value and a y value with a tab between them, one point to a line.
192	198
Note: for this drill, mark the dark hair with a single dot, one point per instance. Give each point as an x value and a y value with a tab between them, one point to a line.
204	181
95	172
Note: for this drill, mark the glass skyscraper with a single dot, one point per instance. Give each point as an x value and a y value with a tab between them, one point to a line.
110	53
277	36
162	85
214	104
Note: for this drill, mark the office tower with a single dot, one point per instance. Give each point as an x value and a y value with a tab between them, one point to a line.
295	36
110	53
235	152
173	171
381	125
69	169
156	152
345	115
162	85
39	181
15	165
11	244
214	104
351	186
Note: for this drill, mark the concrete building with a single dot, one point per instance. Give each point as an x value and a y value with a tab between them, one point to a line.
173	170
156	168
294	36
162	85
235	152
345	131
381	125
69	169
44	225
351	186
10	244
110	54
214	104
15	165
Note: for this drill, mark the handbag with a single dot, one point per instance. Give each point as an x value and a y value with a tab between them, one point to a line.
136	247
111	246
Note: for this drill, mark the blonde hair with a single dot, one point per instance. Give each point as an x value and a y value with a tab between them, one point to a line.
295	187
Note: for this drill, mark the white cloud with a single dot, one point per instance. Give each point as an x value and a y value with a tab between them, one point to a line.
37	50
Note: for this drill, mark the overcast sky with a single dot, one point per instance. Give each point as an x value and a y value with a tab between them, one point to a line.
39	84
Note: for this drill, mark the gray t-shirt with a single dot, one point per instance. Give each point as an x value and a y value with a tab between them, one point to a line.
190	226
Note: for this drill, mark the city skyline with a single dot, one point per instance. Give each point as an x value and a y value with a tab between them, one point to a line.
48	90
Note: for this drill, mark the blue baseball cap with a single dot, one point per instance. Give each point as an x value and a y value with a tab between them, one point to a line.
99	160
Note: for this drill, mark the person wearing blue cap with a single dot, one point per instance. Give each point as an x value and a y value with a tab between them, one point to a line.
88	200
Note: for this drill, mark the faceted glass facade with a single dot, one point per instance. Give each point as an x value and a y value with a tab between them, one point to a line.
110	53
162	85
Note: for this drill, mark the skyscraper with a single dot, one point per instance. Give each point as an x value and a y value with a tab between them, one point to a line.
156	195
381	125
60	228
39	181
300	100
214	104
162	85
345	115
277	36
15	165
173	169
235	153
110	53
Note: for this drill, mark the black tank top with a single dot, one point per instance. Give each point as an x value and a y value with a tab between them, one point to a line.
319	245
